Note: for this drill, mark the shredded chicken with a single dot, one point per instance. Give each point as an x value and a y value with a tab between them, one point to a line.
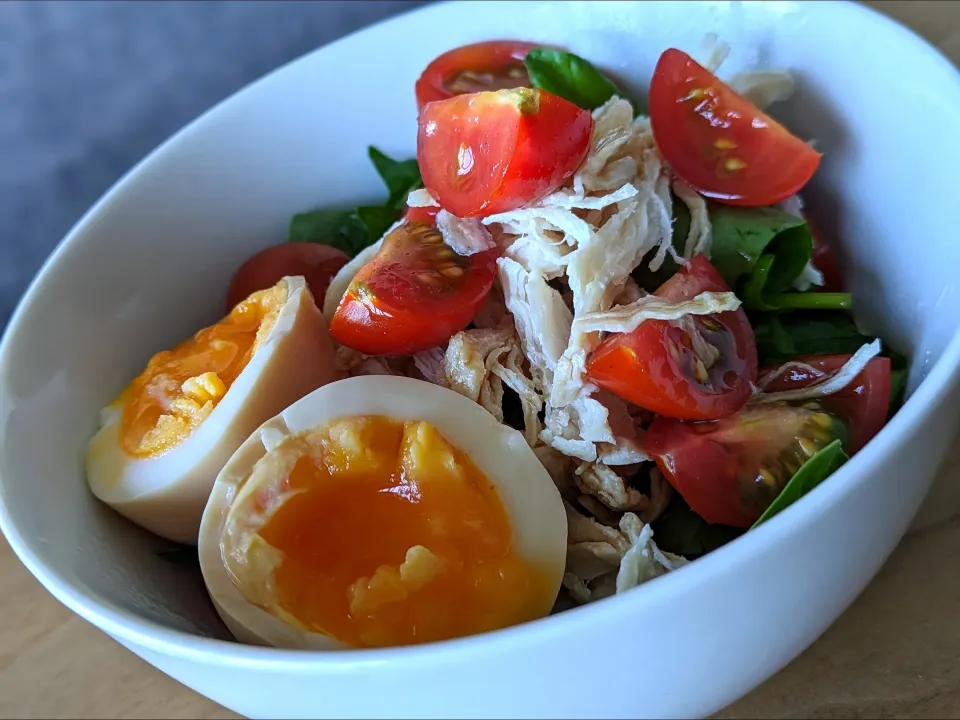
627	318
467	236
826	385
603	560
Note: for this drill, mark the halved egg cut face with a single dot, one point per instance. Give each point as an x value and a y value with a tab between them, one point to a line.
163	441
180	387
363	529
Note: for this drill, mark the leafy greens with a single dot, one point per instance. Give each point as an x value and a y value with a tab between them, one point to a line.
569	76
353	230
813	472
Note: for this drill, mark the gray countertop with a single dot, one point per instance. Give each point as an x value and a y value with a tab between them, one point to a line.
87	89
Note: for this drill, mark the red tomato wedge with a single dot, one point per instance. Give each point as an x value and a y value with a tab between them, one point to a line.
493	65
492	152
862	405
720	143
655	366
413	295
730	470
317	263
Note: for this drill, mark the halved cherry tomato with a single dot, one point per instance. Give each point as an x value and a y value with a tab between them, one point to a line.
720	143
730	470
825	260
656	367
862	405
491	152
493	65
422	215
413	295
317	263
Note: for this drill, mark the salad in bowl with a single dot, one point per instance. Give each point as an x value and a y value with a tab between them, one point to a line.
586	339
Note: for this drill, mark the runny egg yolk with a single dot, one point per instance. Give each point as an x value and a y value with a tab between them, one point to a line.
379	533
179	388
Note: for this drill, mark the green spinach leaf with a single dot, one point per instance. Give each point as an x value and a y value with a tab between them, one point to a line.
341	229
681	531
813	472
400	177
741	236
783	335
569	76
353	230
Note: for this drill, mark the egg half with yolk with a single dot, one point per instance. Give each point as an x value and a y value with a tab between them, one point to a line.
164	439
381	511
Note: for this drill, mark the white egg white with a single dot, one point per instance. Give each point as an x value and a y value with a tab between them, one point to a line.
167	493
530	498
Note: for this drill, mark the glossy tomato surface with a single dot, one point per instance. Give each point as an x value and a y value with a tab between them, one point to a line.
492	65
413	295
720	143
316	263
492	152
657	367
862	405
730	470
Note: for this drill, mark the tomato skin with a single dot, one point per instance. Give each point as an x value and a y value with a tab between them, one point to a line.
720	143
703	472
638	366
493	152
400	302
714	465
825	260
497	63
317	263
863	404
423	215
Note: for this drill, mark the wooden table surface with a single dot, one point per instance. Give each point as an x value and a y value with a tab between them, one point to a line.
892	654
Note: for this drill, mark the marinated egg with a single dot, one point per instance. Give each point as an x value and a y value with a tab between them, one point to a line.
165	438
381	511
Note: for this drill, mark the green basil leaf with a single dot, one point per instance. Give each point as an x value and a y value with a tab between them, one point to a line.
781	336
813	472
400	177
681	531
741	236
377	220
569	76
341	229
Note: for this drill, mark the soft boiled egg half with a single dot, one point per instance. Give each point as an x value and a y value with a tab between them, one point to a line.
381	511
164	439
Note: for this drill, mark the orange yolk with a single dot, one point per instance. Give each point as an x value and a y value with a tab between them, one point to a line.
390	536
180	387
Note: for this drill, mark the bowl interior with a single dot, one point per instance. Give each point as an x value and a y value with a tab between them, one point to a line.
151	262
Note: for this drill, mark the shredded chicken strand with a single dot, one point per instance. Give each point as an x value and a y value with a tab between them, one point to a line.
829	384
627	318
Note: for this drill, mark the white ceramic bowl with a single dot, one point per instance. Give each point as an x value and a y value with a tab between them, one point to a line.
885	108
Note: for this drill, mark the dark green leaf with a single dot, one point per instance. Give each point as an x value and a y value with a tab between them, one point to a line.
742	235
341	229
569	76
377	220
681	531
781	336
898	387
400	177
813	472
